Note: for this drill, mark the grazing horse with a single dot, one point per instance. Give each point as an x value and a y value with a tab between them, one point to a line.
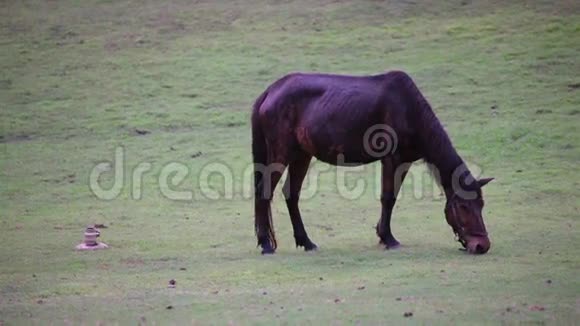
330	117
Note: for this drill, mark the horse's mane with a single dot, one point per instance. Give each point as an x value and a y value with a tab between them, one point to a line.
437	149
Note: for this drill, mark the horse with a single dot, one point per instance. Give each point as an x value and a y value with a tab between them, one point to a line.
330	117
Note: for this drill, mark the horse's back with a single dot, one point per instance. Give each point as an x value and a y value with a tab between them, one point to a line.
328	115
299	88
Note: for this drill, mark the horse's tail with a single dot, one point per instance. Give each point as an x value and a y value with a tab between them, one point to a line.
259	146
260	158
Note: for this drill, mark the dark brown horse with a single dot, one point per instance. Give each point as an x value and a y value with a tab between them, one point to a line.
331	117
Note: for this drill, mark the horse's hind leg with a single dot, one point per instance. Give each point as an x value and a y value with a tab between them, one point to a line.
296	173
271	174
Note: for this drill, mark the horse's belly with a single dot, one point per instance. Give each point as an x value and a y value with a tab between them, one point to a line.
344	160
333	128
336	148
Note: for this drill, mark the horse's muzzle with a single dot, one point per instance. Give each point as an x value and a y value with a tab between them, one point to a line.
478	245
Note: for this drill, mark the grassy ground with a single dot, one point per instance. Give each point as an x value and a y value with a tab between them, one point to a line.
80	77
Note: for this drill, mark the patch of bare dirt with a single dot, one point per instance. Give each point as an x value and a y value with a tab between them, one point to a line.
543	111
537	308
574	86
18	227
125	41
323	227
15	138
69	178
132	262
234	124
142	132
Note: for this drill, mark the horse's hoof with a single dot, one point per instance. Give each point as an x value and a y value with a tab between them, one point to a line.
311	247
268	251
306	243
393	244
395	247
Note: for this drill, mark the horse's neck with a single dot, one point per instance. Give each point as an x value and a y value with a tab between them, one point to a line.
447	168
437	148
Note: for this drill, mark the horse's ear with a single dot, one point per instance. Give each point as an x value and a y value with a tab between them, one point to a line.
484	181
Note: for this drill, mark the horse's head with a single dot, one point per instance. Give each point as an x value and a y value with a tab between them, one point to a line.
464	215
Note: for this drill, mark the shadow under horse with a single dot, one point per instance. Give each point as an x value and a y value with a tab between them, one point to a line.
354	120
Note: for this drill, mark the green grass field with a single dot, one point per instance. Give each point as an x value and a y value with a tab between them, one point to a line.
79	78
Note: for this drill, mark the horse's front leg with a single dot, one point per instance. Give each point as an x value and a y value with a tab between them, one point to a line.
393	175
